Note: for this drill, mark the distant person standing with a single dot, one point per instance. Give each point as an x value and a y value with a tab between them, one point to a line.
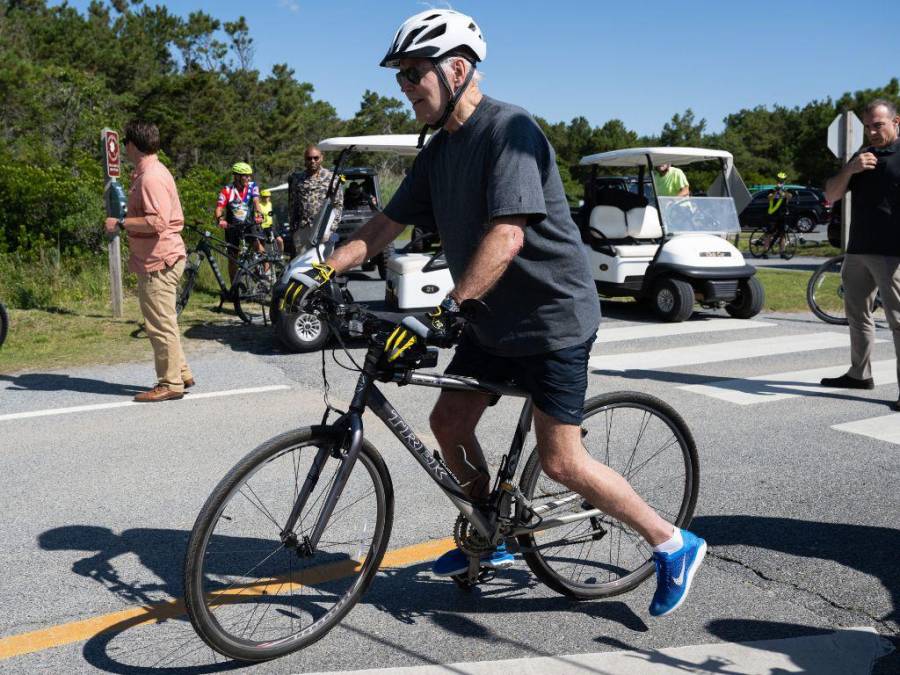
237	211
872	261
267	223
154	225
670	181
307	196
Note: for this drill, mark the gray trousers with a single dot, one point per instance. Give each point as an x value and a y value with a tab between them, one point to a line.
862	275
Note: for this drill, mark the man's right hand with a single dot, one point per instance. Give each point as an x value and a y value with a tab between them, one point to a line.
299	291
223	223
864	161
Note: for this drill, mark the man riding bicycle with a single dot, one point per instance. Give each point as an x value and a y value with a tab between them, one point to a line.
777	224
488	181
238	212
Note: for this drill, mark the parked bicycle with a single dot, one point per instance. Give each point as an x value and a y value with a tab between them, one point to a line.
4	323
825	292
293	535
250	290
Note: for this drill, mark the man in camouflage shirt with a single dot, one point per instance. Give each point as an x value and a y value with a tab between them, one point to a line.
307	196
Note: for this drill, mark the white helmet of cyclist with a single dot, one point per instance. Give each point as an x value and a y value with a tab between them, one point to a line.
435	33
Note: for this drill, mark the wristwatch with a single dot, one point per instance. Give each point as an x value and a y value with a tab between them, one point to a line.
449	304
121	223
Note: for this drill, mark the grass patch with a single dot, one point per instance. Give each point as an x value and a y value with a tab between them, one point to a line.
785	289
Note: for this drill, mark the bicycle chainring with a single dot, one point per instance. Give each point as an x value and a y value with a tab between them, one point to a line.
468	539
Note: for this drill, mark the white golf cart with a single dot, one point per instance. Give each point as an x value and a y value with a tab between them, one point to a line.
669	251
410	279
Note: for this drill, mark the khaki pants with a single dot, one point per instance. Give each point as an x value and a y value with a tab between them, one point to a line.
156	294
862	275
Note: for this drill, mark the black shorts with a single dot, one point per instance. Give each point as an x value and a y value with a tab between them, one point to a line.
234	234
556	381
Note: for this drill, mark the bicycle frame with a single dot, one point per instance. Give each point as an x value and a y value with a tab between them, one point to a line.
492	518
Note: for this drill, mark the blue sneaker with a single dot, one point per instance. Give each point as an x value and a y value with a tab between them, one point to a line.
674	574
455	562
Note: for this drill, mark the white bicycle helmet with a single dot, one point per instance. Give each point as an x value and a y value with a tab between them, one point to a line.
434	33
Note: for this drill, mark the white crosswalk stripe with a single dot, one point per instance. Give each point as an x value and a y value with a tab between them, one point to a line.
779	386
718	352
882	428
657	330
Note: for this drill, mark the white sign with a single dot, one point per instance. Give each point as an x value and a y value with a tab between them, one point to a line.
836	135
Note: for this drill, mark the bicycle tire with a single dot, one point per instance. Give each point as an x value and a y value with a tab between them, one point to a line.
654	450
825	292
237	525
4	323
756	244
787	245
252	289
185	288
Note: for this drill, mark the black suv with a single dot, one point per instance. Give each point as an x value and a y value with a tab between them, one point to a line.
808	209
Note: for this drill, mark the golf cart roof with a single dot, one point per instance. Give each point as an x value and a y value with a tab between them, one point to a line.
638	156
400	144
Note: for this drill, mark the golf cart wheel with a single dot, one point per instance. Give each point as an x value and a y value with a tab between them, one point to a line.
749	301
302	331
673	299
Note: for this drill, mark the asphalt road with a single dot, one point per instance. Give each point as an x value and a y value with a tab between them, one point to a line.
801	517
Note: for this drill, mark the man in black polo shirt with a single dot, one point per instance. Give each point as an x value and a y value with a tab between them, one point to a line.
873	253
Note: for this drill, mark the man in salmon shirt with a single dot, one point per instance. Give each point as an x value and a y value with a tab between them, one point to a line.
154	225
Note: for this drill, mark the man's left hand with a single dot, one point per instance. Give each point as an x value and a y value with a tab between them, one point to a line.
111	225
445	319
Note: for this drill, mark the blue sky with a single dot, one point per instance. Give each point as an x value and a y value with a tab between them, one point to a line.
640	62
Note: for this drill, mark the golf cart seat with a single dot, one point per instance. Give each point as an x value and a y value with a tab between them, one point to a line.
625	233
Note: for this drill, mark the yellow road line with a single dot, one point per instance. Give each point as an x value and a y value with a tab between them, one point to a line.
77	631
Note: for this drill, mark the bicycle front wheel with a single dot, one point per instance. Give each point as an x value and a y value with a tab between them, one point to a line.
252	593
649	444
757	244
253	289
825	292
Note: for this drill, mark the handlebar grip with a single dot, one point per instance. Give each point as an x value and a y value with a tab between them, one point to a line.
413	324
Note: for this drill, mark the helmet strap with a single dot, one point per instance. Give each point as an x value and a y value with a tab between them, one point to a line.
451	104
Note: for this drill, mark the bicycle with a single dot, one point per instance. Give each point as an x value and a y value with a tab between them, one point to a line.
825	292
782	238
4	323
292	536
251	288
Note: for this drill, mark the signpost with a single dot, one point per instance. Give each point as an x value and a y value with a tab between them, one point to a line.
845	136
109	142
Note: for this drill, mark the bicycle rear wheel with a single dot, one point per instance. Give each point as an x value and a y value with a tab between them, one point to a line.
649	444
4	323
251	596
186	287
787	245
825	292
252	289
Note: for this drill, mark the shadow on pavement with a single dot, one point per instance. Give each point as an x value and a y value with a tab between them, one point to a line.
240	337
62	382
167	643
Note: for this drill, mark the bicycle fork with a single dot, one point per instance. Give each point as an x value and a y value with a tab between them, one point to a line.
306	545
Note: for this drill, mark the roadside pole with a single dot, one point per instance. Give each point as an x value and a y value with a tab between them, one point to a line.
115	208
845	135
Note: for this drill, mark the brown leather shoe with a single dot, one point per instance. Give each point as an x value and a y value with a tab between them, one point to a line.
159	393
188	383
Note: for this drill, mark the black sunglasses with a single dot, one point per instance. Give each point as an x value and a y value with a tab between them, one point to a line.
316	158
411	75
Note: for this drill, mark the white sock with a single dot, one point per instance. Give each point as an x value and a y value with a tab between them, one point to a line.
671	545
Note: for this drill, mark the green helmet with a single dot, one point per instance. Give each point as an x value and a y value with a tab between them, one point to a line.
242	168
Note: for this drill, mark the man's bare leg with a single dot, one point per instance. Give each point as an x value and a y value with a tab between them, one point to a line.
565	460
453	421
